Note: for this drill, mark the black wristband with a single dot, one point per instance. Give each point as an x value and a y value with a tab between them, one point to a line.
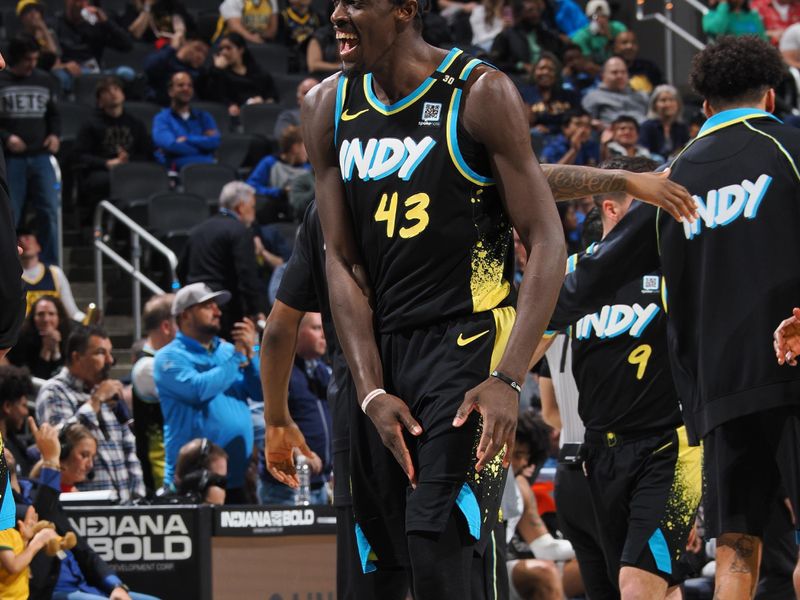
506	379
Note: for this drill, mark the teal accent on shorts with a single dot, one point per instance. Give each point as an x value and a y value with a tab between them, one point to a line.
660	550
364	550
468	505
797	537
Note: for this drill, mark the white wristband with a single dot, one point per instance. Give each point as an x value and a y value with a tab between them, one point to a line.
370	397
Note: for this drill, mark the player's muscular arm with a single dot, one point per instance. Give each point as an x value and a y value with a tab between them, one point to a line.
348	287
530	205
277	357
569	182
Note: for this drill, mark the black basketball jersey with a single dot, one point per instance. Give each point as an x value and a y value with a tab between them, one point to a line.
427	216
620	360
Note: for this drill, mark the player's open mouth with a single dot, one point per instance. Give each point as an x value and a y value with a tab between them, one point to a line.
348	42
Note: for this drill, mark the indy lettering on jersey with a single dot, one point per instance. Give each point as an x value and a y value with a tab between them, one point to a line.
616	320
379	158
726	204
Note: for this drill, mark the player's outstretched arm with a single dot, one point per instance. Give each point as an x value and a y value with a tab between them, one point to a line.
277	357
786	340
495	115
570	181
348	285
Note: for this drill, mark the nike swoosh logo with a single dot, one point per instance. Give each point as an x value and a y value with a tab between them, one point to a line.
348	117
462	341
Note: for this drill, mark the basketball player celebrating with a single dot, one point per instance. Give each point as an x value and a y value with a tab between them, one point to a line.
730	277
423	163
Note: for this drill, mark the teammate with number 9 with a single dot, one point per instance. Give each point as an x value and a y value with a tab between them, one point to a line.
644	478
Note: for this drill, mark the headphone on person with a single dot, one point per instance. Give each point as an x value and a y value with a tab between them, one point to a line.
66	445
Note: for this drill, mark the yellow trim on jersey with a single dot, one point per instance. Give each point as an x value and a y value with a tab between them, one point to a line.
664	293
302	20
780	147
503	322
418	93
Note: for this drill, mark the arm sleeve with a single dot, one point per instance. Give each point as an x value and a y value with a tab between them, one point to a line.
132	464
12	296
629	251
116	37
177	376
67	298
52	117
52	406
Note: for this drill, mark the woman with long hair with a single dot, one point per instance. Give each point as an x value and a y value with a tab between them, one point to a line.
236	78
664	132
42	341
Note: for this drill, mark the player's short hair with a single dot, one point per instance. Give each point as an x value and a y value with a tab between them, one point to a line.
735	70
634	164
532	430
592	227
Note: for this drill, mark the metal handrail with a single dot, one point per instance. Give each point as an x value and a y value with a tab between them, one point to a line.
671	28
138	233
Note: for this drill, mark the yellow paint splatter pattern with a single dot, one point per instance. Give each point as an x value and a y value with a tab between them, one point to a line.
684	495
487	285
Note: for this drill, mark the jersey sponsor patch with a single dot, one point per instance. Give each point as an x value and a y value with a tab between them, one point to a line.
650	283
431	111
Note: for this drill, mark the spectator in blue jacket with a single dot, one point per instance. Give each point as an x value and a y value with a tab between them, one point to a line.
184	135
204	382
274	173
309	408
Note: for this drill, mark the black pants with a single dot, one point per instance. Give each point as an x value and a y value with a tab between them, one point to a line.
576	521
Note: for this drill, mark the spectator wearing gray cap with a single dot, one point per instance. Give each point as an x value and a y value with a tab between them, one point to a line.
204	382
221	252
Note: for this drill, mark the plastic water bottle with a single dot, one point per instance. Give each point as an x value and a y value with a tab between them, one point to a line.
303	494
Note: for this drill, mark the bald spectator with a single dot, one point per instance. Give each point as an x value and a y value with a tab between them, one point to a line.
291	116
614	97
182	56
148	424
790	46
595	39
184	135
644	74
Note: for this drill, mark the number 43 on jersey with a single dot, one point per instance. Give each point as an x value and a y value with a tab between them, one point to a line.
413	211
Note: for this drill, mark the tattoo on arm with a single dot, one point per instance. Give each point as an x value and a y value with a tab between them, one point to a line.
744	548
569	181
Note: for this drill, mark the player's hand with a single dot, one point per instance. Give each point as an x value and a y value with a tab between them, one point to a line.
390	415
658	190
52	144
786	340
16	144
498	403
694	543
279	452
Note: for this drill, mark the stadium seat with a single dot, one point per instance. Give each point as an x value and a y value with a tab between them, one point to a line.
260	118
219	111
144	111
84	88
137	180
206	21
73	116
11	24
134	59
273	58
173	212
206	180
287	87
234	148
